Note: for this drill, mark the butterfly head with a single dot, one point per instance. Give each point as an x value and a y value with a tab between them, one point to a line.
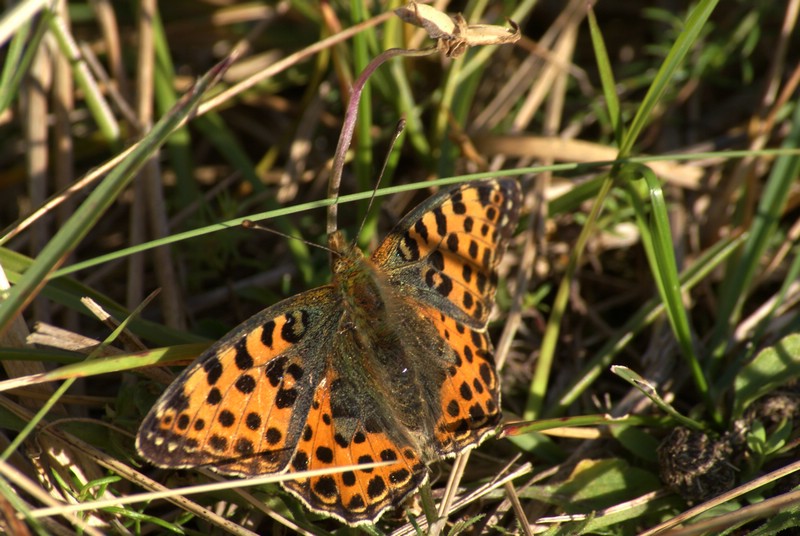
347	256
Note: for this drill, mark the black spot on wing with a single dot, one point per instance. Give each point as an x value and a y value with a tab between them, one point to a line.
244	447
437	260
213	369
422	230
214	397
294	329
325	486
178	402
285	398
266	333
183	422
243	359
226	418
452	242
275	369
441	221
325	455
245	384
253	421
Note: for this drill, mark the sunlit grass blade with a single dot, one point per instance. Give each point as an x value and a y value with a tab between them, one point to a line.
650	392
17	16
106	365
17	62
568	423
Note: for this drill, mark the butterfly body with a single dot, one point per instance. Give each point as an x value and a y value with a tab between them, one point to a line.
390	362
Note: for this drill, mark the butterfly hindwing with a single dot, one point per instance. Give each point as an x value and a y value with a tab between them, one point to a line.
340	437
469	397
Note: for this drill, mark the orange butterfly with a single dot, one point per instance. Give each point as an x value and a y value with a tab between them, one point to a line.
389	362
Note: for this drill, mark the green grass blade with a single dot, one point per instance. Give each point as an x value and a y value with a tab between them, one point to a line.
19	14
21	52
606	77
404	95
179	142
294	209
649	390
544	365
658	244
104	194
362	58
642	318
95	99
106	365
736	287
694	25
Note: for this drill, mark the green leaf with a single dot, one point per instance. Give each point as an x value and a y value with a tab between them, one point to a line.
637	441
596	484
771	368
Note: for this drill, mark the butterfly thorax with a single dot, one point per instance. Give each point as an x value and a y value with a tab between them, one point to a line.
361	291
375	349
365	299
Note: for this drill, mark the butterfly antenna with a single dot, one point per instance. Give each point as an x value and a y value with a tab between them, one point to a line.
401	125
250	224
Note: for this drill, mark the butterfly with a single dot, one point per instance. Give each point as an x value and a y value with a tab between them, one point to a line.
390	362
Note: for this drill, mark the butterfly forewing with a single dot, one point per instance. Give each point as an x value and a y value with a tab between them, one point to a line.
240	408
450	246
